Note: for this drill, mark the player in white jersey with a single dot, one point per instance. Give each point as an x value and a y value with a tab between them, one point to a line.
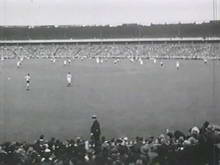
116	61
18	64
177	65
52	60
28	79
131	59
69	79
97	60
141	61
64	62
101	61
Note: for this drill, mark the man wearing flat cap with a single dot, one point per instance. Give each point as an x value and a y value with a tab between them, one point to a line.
95	132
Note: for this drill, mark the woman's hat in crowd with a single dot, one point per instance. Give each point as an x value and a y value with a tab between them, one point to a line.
94	117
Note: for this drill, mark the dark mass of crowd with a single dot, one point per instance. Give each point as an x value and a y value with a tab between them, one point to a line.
145	50
198	147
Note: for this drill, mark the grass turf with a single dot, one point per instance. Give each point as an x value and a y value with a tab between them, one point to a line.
129	99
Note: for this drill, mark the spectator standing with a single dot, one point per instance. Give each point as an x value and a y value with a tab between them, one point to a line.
95	133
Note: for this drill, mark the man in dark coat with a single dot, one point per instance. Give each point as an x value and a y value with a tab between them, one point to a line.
95	133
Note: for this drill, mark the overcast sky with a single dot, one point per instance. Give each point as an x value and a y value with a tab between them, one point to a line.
101	12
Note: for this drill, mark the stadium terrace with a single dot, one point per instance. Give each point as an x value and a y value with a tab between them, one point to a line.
165	48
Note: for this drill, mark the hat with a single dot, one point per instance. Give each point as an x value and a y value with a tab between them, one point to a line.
94	117
41	136
186	143
206	124
195	130
126	138
47	150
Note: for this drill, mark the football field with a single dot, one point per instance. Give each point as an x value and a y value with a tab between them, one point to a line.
129	99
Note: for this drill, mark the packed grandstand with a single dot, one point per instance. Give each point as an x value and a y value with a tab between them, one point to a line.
87	50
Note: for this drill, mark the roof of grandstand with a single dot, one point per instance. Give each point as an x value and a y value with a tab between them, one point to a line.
109	40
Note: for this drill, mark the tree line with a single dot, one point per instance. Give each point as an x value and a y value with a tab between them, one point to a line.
209	29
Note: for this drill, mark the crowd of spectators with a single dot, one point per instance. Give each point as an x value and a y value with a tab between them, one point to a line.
197	147
147	50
